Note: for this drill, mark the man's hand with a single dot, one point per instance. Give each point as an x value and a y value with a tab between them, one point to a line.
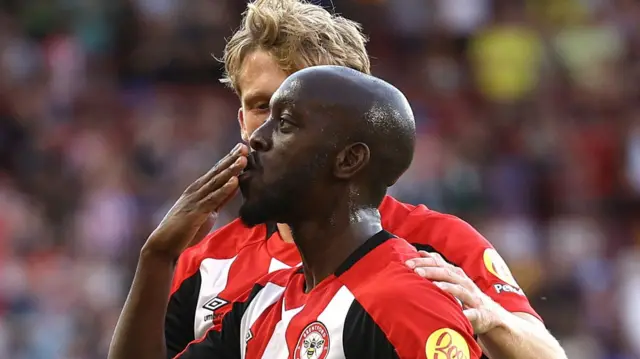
483	313
194	213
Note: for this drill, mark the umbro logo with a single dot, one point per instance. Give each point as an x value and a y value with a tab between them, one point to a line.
215	304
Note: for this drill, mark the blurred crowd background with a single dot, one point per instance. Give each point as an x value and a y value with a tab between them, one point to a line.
529	128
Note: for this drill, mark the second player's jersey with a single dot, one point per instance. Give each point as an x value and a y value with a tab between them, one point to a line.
371	307
229	261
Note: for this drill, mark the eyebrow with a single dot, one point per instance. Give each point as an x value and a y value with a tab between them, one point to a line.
256	96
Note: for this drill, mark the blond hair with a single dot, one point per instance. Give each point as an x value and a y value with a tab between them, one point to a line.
297	34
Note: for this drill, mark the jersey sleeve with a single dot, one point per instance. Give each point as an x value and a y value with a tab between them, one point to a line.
461	245
482	263
410	321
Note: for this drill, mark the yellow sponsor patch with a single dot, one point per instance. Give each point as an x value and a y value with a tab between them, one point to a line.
498	267
446	343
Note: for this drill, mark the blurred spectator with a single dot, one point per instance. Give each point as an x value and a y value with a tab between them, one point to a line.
507	56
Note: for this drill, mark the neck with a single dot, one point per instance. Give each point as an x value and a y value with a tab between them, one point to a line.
285	232
325	244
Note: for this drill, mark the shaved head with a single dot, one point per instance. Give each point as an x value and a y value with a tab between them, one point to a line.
334	134
360	108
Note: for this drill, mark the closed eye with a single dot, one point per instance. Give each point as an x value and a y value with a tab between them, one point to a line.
285	126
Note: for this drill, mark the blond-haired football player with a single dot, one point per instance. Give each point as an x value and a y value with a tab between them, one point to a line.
277	38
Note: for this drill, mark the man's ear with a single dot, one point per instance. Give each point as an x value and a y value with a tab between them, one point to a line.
351	160
243	127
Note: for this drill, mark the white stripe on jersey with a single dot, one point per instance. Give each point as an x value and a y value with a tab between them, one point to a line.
277	346
214	274
333	318
275	265
265	298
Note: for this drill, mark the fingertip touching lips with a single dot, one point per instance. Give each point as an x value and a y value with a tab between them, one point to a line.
252	162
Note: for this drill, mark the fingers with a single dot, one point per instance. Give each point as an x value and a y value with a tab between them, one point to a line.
217	181
447	277
462	294
427	260
422	263
447	274
436	257
226	200
238	151
473	316
222	187
218	197
433	267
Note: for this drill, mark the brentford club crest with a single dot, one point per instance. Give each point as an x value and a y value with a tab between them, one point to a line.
313	342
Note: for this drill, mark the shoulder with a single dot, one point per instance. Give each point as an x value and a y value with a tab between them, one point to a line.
398	288
459	244
226	241
382	282
431	230
402	218
223	243
412	313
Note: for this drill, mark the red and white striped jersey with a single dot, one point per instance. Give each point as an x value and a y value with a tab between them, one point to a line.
228	262
373	306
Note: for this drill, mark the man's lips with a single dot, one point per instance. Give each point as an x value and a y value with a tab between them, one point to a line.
244	176
250	167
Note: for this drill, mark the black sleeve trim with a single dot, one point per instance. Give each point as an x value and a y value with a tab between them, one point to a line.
363	338
181	311
224	344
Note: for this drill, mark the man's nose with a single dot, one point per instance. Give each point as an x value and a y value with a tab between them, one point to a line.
260	139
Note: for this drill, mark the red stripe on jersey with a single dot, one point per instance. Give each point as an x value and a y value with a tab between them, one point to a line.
314	303
280	329
224	243
267	323
283	251
262	331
